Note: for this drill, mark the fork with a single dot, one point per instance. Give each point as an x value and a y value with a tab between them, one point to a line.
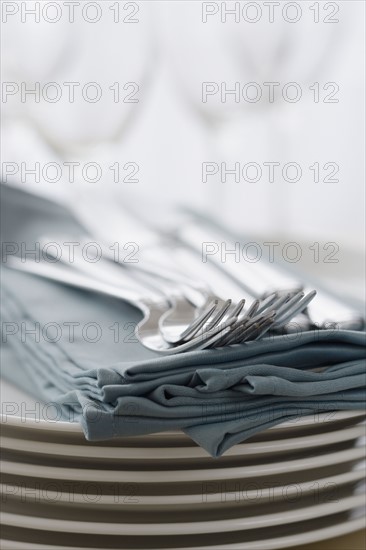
285	305
152	306
276	309
184	320
193	308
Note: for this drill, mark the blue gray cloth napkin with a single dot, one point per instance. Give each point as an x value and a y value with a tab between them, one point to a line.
77	350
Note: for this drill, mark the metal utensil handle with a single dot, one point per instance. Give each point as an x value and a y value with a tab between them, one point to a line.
161	267
323	311
105	271
257	279
62	274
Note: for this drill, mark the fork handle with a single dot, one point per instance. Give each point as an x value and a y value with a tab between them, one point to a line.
106	271
325	310
155	274
63	274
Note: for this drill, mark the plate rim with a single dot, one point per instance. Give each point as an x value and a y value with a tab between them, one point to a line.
173	528
278	543
355	475
103	451
25	469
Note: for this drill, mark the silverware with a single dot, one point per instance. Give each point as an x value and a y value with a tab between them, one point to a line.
184	320
151	306
326	311
275	310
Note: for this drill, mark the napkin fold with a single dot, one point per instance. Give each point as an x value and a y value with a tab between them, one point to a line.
76	350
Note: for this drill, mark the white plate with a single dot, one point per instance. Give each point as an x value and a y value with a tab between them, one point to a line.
180	453
179	476
239	496
336	530
333	529
193	528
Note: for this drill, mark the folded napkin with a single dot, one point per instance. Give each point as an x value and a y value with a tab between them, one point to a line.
77	350
74	349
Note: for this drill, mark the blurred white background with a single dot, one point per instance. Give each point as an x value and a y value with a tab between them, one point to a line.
167	50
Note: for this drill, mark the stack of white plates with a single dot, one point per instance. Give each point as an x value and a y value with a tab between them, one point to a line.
299	482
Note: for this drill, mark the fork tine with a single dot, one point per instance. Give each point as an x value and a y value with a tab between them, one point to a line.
253	309
297	308
203	341
248	327
232	337
280	302
238	308
235	313
286	307
254	325
247	330
239	327
265	321
250	313
196	325
220	314
213	341
267	302
209	338
245	322
267	324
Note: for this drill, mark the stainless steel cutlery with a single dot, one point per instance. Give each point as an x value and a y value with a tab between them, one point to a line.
217	324
189	302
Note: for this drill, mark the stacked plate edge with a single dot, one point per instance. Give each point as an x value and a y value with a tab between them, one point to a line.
301	481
